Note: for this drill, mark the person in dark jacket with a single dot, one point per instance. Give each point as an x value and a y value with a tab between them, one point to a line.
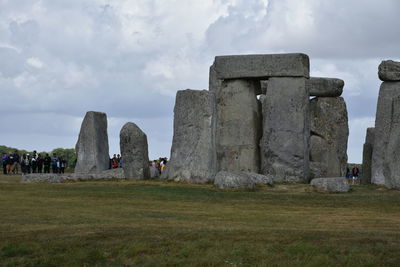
47	163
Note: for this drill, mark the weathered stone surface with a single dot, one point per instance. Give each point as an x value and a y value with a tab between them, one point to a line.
260	179
264	87
392	153
238	126
329	135
389	70
134	152
192	153
384	111
92	146
367	156
337	184
262	66
225	180
154	173
286	130
325	87
59	178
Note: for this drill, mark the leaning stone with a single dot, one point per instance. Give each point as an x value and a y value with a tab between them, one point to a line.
392	153
225	180
286	130
329	135
92	146
238	126
367	156
262	66
389	70
134	152
192	153
338	184
325	87
384	111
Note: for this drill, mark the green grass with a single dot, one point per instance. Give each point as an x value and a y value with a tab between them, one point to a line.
152	223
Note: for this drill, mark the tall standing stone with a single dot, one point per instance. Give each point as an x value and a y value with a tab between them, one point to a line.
392	153
192	153
134	152
286	130
238	126
367	156
329	135
387	92
92	146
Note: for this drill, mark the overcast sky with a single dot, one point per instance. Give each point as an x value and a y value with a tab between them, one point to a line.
59	59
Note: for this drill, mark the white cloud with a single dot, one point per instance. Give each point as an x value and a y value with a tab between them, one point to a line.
35	62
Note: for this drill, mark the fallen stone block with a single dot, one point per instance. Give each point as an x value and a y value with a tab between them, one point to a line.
325	87
338	184
225	180
389	70
262	66
117	173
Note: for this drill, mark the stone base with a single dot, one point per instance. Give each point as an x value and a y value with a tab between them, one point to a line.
58	178
337	184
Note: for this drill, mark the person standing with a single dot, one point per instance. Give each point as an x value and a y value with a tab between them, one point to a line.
54	163
17	160
34	162
63	164
355	172
39	162
47	163
10	163
4	160
26	164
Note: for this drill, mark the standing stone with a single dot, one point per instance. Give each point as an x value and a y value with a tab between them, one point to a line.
387	92
134	152
389	70
325	87
238	127
192	153
367	156
329	135
286	130
392	153
92	146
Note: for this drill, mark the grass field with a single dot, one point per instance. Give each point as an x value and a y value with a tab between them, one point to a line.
154	223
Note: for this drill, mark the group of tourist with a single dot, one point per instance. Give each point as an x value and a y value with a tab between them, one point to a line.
115	162
13	163
159	164
353	175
